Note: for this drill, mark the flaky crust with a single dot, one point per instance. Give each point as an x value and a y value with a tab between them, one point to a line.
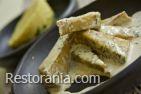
84	22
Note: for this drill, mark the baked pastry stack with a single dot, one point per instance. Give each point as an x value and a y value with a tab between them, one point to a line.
85	48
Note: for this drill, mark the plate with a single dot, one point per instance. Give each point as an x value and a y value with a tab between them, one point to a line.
39	51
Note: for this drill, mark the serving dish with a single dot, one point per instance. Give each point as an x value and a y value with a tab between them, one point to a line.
42	47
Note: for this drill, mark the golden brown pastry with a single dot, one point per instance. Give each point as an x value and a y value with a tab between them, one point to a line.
118	20
36	18
84	54
91	20
118	31
106	46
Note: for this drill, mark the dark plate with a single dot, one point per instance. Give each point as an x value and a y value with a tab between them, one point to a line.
62	9
43	46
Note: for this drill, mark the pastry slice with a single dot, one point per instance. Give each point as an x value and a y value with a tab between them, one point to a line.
58	60
118	20
91	20
106	46
117	31
36	18
84	54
